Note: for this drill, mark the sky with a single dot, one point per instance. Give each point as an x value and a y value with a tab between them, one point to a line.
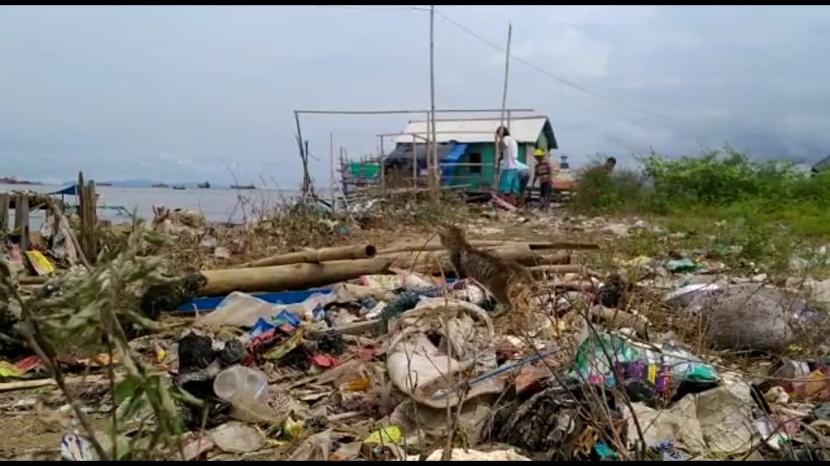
189	93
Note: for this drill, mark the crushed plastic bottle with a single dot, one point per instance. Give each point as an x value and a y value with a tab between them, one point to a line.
240	384
246	389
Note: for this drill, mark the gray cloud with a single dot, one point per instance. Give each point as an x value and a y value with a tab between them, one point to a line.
193	93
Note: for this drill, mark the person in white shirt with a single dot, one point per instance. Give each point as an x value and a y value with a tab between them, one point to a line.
509	178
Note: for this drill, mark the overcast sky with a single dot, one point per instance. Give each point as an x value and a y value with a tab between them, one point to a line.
197	93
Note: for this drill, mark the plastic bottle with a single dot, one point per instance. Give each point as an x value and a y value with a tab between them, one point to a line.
241	386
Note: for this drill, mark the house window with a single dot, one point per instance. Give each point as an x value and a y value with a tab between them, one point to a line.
475	158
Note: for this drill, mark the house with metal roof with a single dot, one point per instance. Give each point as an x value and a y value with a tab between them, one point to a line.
466	147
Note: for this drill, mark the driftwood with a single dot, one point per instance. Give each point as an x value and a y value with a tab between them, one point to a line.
58	214
438	261
490	244
569	268
32	280
316	256
289	277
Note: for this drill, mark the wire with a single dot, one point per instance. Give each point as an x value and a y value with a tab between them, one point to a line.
367	8
550	75
553	76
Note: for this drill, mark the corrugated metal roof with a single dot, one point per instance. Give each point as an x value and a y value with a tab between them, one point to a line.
822	164
523	129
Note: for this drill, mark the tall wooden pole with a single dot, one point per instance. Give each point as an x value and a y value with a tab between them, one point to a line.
300	142
415	165
503	105
380	162
432	100
428	150
331	172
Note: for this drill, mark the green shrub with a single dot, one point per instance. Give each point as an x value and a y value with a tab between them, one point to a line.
601	192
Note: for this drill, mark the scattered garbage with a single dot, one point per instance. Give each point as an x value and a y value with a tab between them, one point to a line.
236	437
75	447
682	266
369	368
459	454
420	368
391	434
646	371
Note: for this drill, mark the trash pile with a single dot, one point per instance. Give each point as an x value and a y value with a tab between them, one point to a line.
377	362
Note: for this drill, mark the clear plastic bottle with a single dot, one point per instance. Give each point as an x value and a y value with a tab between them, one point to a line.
240	385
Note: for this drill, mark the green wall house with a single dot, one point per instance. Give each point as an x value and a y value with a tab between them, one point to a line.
467	147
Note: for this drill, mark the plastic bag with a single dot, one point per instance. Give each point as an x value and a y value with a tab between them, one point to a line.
660	369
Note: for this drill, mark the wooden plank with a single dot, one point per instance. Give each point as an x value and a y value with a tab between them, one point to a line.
90	221
4	212
21	220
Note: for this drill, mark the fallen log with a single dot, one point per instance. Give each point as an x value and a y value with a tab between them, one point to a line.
316	256
490	244
289	277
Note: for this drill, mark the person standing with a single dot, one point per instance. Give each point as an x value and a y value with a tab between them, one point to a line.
542	172
509	179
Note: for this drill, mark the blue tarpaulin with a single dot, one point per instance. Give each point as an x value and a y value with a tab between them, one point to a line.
70	190
454	156
284	297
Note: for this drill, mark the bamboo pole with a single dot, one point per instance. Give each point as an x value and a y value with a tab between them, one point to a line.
316	256
289	277
487	244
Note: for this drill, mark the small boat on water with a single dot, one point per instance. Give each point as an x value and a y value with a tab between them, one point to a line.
243	186
14	180
205	185
104	184
161	185
179	186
